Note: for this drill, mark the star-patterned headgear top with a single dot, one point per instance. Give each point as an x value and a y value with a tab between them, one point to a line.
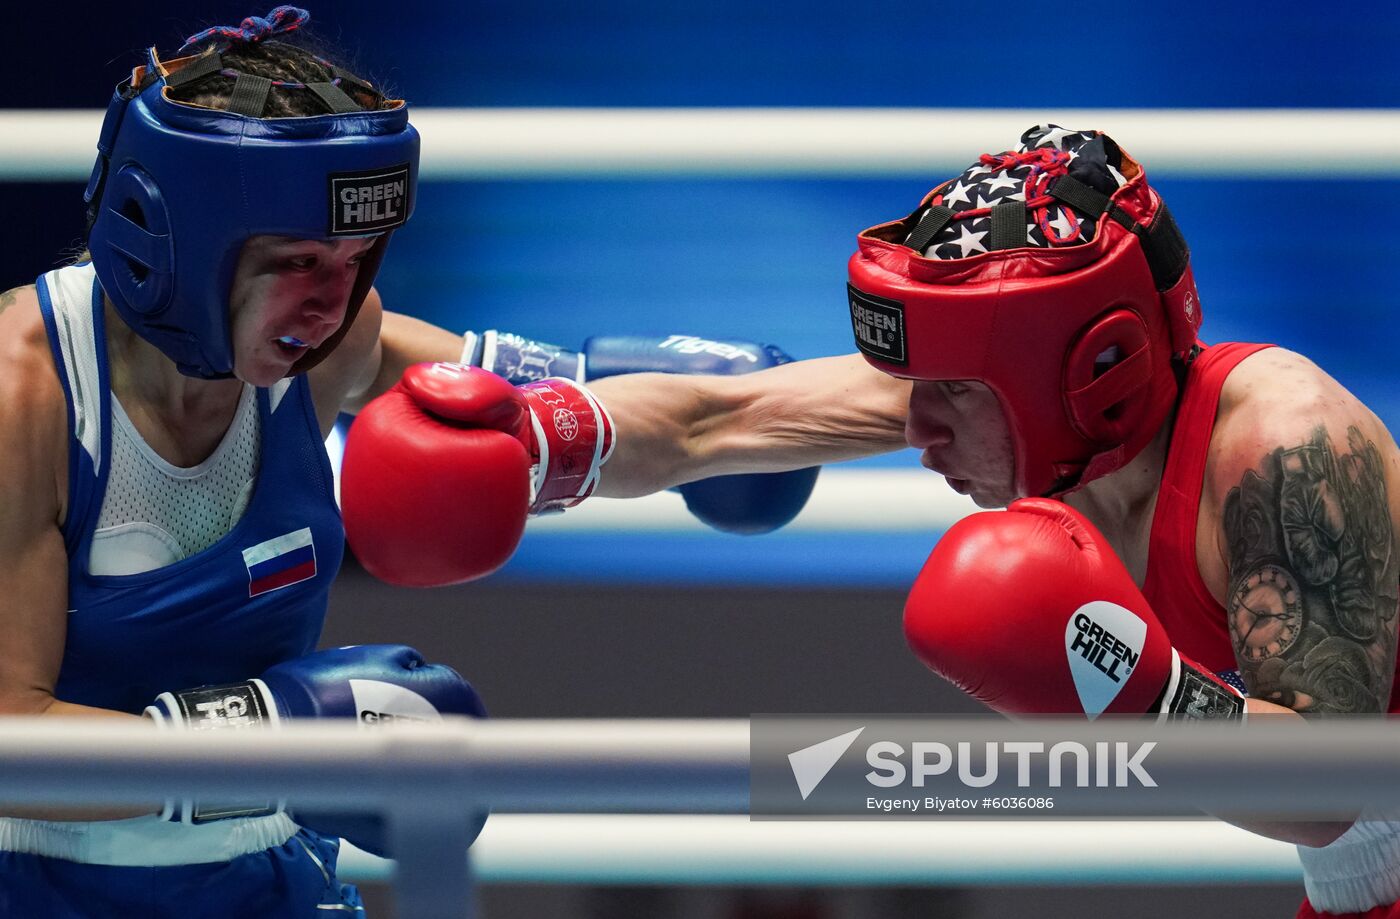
1055	275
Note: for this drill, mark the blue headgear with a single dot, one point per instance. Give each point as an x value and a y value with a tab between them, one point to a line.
179	188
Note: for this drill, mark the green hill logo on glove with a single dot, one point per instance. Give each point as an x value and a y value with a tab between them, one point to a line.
1103	642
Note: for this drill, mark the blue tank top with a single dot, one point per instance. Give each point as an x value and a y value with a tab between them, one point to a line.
254	598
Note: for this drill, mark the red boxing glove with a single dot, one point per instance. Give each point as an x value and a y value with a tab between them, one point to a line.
442	470
1031	612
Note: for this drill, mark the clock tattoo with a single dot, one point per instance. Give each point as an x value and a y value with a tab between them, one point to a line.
1266	612
1313	605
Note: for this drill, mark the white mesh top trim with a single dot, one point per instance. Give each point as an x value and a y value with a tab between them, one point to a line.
277	391
155	513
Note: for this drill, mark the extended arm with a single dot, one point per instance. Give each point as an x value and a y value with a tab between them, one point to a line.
402	341
674	429
422	455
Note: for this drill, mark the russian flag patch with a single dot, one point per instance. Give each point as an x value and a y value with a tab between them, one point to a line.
280	562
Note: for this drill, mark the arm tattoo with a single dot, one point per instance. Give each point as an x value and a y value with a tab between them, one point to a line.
8	298
1315	577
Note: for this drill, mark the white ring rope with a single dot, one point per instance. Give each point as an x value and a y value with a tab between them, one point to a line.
429	778
846	500
461	143
648	849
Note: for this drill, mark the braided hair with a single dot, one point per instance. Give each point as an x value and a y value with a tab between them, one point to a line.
298	74
303	82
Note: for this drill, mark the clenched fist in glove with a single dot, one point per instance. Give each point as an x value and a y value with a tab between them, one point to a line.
1030	611
369	683
747	503
442	470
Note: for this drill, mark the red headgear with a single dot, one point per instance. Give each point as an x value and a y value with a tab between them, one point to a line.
1075	338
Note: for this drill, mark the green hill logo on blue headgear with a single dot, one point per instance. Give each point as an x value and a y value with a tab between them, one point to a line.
179	188
369	202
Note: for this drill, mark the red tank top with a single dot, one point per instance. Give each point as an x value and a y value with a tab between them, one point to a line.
1173	586
1197	624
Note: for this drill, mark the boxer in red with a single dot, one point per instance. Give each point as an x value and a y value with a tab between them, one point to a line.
1227	513
1222	516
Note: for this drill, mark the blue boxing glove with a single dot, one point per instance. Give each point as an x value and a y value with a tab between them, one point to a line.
371	683
749	503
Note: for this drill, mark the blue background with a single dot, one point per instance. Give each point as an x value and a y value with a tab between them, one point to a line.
1306	263
1192	53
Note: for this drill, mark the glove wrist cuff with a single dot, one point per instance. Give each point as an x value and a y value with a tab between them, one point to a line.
574	437
230	705
519	359
1194	692
248	704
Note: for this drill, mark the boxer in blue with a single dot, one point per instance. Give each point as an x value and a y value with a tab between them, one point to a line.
136	427
169	516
